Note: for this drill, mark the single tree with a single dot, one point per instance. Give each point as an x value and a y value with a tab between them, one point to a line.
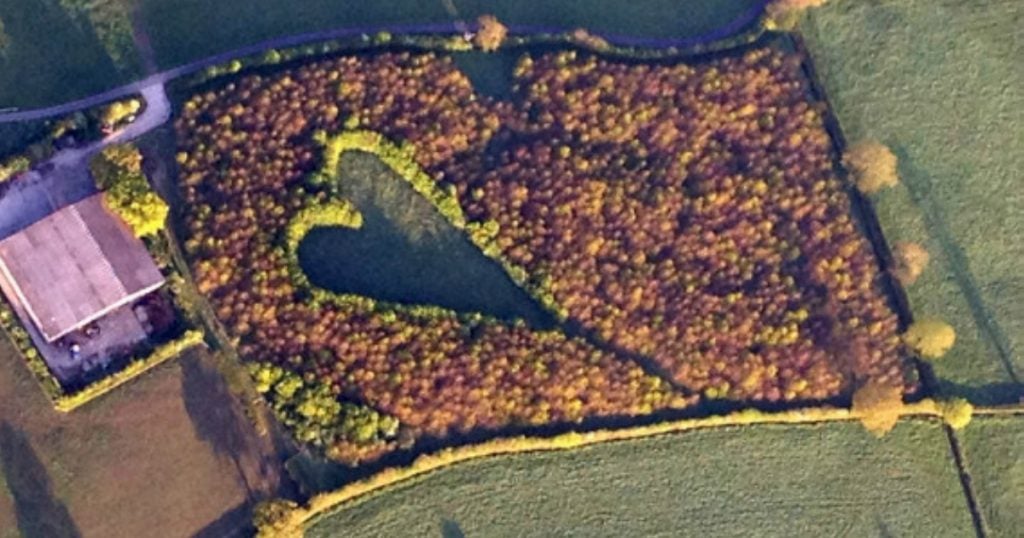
872	164
491	34
931	338
878	405
911	259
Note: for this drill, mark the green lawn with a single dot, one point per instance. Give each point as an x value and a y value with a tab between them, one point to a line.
766	480
994	449
940	81
49	57
185	30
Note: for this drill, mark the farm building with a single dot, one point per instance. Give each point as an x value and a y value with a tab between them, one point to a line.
74	267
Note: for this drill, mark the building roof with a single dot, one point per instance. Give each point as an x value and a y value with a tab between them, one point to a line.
76	265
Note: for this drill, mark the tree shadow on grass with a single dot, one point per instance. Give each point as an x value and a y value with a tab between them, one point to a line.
210	408
40	514
451	529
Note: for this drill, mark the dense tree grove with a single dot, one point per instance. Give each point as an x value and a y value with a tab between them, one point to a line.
686	212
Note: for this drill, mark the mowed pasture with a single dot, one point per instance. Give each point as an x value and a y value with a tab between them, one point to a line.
940	83
167	455
831	479
48	57
995	459
187	30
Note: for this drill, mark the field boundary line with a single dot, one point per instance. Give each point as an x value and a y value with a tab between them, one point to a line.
967	483
293	523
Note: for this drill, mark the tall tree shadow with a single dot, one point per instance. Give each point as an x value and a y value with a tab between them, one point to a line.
451	529
40	514
210	408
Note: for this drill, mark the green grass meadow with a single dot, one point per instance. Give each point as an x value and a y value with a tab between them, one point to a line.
994	449
186	30
49	56
831	479
942	83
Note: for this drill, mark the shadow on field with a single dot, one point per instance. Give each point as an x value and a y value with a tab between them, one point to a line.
451	529
920	186
40	514
210	408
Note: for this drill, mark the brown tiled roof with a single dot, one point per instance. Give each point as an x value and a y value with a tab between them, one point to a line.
76	265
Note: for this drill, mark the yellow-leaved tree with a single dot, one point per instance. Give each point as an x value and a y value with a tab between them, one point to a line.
931	338
491	34
118	173
911	259
878	405
872	164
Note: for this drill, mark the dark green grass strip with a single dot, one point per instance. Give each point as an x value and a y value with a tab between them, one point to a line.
966	482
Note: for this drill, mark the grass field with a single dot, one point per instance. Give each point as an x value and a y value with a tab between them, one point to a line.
992	446
407	252
50	57
184	30
163	456
826	480
940	82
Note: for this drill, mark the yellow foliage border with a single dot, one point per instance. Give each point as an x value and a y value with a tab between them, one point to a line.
160	355
319	505
401	160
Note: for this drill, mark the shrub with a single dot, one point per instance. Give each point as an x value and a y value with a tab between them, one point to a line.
119	111
911	259
118	172
316	416
873	166
13	166
878	406
785	14
956	412
931	338
273	519
491	34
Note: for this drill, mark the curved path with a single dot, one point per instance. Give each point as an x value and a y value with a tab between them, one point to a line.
161	78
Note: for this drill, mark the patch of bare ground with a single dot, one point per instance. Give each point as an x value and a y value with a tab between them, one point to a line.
169	454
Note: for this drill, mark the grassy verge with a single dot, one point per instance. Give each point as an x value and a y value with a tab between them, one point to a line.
939	82
769	480
992	447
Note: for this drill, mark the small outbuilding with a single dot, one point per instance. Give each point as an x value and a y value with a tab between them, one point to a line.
74	267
